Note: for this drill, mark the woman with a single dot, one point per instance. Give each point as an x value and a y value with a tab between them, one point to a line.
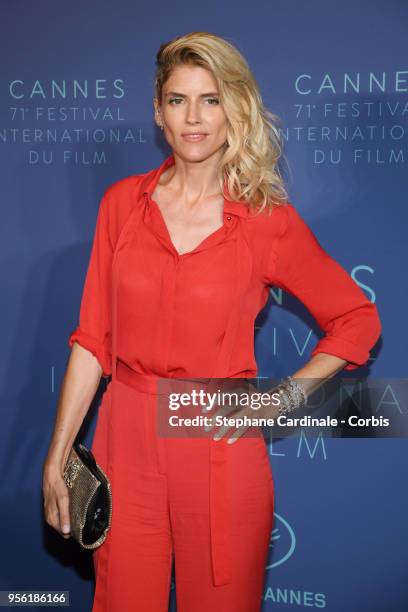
182	262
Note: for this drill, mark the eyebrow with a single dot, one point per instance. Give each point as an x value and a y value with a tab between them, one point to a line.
176	93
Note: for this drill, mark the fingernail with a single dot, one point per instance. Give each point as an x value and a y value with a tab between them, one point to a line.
66	528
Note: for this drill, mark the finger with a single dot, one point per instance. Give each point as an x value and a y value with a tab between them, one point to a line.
51	515
237	435
240	431
234	413
223	412
220	433
212	422
208	427
52	518
226	407
207	408
63	511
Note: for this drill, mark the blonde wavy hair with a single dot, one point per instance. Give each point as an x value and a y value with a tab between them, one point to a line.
253	149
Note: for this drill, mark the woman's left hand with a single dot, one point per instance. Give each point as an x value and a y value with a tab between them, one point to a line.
237	412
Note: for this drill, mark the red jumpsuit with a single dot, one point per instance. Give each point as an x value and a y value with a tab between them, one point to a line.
148	312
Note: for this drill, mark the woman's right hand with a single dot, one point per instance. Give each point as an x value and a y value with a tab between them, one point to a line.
79	385
56	499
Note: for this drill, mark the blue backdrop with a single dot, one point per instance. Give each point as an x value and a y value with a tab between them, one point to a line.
76	115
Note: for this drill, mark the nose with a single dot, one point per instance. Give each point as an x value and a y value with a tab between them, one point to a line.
193	114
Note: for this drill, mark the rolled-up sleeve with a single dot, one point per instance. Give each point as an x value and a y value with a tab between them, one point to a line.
94	329
299	265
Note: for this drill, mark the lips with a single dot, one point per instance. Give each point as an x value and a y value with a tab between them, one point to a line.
194	137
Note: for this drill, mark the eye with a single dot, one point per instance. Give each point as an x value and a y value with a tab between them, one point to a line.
213	101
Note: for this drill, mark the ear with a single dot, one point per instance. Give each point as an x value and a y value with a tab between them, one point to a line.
157	112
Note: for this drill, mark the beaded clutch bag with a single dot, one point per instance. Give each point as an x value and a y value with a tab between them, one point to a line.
90	497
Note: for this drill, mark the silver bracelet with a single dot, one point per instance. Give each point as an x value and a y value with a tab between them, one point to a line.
292	395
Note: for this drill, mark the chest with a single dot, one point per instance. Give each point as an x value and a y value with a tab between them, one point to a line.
189	226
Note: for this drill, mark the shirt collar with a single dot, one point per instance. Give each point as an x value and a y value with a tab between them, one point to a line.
230	206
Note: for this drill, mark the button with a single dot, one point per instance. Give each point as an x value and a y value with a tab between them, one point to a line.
229	218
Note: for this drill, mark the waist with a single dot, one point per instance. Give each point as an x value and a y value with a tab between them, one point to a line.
162	386
146	383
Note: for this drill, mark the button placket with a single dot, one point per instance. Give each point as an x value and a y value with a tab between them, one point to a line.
164	329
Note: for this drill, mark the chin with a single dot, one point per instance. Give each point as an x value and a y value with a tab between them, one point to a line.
196	154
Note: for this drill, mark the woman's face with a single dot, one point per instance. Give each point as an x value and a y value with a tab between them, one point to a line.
191	105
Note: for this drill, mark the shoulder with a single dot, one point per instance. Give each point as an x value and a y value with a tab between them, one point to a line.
282	228
126	192
270	223
123	191
263	230
120	199
285	221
